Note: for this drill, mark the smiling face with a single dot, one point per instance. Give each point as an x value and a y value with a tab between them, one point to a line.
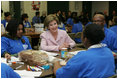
19	31
53	26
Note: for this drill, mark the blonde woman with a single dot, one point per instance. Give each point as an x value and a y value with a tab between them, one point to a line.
54	39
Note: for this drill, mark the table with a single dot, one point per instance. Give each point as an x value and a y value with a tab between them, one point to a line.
48	73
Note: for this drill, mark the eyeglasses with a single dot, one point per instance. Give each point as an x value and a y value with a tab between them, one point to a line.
97	21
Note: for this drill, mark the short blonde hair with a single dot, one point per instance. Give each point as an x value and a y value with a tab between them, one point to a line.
49	19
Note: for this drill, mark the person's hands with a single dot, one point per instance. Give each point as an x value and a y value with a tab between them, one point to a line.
8	56
64	45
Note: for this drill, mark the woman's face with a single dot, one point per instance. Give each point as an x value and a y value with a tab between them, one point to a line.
19	31
53	26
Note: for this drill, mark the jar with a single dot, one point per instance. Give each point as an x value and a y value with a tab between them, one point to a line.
64	52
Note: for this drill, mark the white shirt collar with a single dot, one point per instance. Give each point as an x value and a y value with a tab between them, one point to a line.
97	46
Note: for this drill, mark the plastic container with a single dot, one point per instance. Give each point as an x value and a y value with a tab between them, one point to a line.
64	52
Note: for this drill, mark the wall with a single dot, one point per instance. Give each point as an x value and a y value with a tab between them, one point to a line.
75	6
31	13
5	7
100	6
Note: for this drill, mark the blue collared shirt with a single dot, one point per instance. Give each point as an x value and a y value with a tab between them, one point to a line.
14	46
8	72
94	63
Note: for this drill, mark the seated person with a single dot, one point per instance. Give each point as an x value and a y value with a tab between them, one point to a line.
36	18
8	72
25	21
61	24
13	42
43	16
77	27
96	62
110	37
7	19
54	39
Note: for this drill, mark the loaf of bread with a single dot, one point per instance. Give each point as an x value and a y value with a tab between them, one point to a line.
33	57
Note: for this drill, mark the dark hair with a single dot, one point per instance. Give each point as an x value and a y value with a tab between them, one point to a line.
24	16
13	26
37	13
94	33
6	14
76	19
100	13
84	20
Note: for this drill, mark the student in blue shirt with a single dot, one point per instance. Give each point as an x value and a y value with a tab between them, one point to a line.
110	37
25	21
7	19
96	62
36	18
70	20
77	27
13	42
8	72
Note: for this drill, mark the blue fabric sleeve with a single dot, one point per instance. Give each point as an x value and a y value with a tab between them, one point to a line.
71	70
4	45
29	24
3	22
8	72
33	20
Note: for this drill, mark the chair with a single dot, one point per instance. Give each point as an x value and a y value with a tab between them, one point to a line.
78	35
72	35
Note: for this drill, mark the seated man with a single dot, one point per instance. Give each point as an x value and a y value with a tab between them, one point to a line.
96	62
110	37
36	18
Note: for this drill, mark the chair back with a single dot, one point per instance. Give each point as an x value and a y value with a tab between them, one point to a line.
78	35
72	35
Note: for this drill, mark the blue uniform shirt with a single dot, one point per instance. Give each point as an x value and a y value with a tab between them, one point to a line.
105	25
93	63
36	19
110	40
8	72
14	46
27	25
62	28
88	23
4	23
114	28
77	28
